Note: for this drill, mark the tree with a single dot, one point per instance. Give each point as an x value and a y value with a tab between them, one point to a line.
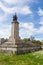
38	42
26	39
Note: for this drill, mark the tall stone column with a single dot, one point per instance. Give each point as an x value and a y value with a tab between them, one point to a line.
14	30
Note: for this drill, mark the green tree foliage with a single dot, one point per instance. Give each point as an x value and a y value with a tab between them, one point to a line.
32	40
26	39
38	42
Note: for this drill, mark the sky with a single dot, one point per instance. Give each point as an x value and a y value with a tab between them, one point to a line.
30	18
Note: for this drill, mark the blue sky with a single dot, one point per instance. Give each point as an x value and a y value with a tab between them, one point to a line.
30	17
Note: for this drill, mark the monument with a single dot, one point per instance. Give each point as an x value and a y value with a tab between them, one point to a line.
14	37
14	44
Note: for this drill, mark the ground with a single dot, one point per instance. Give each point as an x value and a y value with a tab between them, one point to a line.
35	58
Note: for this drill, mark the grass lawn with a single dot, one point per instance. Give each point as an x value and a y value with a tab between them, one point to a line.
35	58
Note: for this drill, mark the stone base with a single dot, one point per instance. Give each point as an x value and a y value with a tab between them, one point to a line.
9	47
19	50
15	40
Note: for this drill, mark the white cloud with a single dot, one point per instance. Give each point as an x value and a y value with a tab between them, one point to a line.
4	28
40	12
26	10
27	25
3	18
20	1
41	20
5	31
40	30
15	2
28	29
21	10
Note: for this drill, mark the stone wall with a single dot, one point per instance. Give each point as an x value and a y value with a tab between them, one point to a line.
19	50
27	49
9	47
